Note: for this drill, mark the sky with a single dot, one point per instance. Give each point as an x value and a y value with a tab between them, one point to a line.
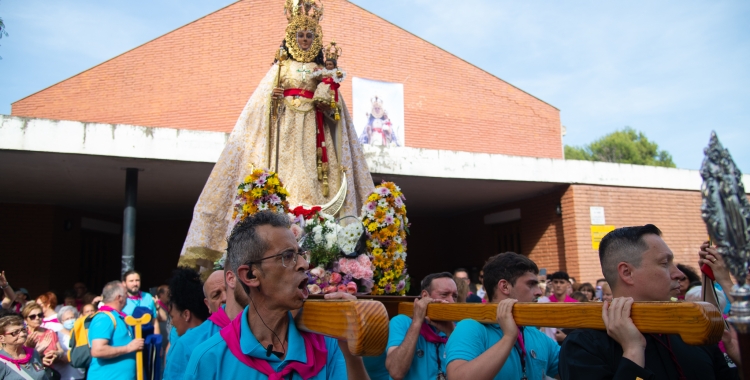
675	70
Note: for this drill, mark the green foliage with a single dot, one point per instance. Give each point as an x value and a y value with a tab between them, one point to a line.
626	146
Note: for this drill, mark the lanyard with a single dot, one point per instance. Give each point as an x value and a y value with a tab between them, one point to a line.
672	356
441	375
521	349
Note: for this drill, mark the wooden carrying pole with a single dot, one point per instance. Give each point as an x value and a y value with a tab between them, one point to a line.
363	324
698	323
137	324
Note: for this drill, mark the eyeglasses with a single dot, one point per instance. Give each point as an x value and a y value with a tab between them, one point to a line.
35	316
17	332
288	257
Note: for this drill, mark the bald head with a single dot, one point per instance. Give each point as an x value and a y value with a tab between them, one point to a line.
215	291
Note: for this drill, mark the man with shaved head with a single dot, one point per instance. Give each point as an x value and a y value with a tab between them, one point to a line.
639	266
215	291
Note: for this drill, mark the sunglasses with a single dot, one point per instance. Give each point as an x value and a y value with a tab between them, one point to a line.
17	333
35	316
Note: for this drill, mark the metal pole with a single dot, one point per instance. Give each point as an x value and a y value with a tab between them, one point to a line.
128	220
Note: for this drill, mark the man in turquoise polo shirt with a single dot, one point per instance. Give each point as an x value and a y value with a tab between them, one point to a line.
138	299
112	342
416	347
264	340
503	350
179	355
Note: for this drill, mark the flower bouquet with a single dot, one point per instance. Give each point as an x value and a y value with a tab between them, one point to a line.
261	190
336	252
384	216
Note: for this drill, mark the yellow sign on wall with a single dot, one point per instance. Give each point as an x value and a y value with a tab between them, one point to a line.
597	234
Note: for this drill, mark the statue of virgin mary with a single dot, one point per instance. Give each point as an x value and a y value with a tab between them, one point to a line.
315	152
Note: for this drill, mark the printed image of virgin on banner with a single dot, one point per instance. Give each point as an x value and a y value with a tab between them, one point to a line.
378	112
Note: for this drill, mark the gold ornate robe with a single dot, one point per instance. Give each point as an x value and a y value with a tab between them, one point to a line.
248	145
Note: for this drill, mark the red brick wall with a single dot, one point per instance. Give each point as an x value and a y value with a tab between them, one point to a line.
201	75
675	212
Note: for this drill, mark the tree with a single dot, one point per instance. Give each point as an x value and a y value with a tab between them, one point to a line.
626	146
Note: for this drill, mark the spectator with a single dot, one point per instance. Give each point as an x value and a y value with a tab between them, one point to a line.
112	346
560	286
19	361
80	292
688	276
162	311
462	289
460	275
87	310
606	292
48	302
90	298
42	339
588	290
580	297
481	293
67	315
138	299
10	299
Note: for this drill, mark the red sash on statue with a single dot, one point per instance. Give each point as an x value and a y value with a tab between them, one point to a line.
315	348
320	137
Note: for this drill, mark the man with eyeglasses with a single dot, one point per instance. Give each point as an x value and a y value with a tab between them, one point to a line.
264	340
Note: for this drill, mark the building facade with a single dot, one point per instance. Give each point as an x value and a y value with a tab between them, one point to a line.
482	169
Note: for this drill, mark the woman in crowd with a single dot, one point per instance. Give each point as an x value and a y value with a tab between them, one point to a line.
88	310
42	339
606	292
688	277
588	290
48	302
67	315
16	360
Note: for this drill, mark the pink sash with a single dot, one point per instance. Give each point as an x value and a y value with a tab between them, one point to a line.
429	335
29	354
220	318
136	297
315	348
110	309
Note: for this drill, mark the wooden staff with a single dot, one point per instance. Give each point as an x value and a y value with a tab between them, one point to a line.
281	56
698	323
137	326
362	323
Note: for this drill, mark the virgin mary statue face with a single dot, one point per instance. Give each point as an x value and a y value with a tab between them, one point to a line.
305	39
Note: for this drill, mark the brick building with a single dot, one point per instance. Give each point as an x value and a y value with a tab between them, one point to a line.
483	169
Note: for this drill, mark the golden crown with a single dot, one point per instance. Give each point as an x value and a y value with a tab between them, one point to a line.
332	51
303	15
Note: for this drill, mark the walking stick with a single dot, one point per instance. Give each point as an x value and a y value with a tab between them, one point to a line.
281	55
137	323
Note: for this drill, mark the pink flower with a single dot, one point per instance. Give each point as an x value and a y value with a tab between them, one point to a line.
314	289
342	288
351	287
317	272
329	289
335	278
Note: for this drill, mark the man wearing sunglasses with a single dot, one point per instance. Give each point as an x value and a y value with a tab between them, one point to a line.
264	340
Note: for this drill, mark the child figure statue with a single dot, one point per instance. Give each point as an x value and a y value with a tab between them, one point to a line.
327	91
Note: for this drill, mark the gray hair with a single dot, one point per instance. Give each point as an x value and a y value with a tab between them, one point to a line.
66	309
112	290
244	244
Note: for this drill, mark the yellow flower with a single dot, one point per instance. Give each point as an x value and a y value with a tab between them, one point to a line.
373	197
248	178
372	227
257	192
382	282
377	251
273	181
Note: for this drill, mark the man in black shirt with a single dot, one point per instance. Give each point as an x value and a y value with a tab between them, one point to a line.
639	266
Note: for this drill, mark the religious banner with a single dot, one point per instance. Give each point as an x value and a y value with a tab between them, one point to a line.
378	112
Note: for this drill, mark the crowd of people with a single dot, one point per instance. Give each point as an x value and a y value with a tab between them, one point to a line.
238	322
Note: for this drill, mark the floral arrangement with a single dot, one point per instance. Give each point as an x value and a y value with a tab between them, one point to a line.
261	190
327	241
384	216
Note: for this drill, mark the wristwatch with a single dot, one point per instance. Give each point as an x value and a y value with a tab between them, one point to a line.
4	286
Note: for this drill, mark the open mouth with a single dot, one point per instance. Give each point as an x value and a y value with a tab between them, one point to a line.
303	288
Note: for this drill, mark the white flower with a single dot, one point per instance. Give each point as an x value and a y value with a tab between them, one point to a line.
318	271
262	206
330	240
